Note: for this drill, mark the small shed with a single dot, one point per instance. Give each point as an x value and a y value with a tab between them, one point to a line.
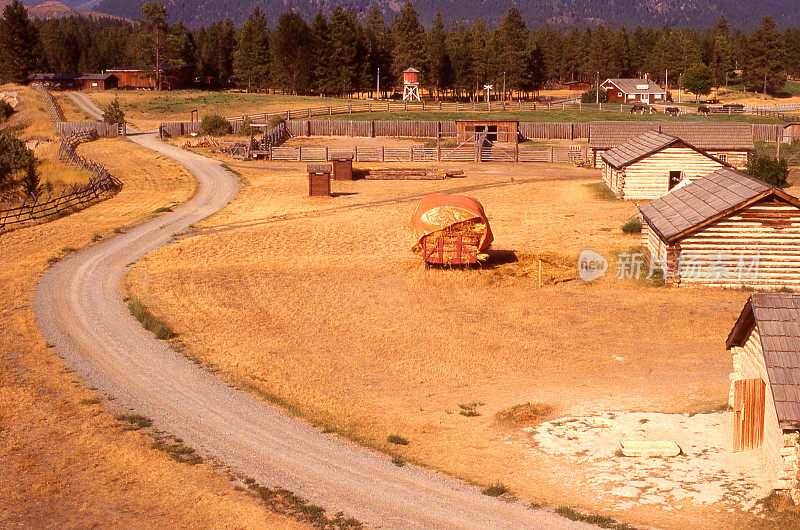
98	81
633	91
765	385
342	166
726	229
729	142
496	130
650	165
319	180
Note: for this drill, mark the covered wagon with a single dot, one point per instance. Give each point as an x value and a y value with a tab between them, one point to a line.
450	229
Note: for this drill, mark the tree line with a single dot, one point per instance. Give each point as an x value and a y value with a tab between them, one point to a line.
341	54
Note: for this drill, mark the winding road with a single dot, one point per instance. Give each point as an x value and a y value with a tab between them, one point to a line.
79	306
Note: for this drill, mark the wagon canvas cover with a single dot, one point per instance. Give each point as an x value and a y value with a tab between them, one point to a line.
439	211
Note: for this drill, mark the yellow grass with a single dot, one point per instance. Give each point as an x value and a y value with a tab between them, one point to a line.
319	304
66	462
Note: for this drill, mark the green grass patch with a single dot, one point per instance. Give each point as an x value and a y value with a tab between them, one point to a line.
286	502
177	450
90	401
598	520
633	226
163	209
495	490
134	421
544	116
600	191
151	323
396	439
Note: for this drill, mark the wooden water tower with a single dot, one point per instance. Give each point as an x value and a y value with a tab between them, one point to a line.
411	84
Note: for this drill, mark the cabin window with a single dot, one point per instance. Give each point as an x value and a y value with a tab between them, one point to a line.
723	157
674	178
631	96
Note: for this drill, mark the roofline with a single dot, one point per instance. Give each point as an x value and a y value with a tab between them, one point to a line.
674	139
746	318
610	80
794	201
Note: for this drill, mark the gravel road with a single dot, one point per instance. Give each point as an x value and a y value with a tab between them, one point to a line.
79	307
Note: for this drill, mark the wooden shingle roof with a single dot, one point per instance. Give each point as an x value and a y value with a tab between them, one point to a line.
701	202
637	148
777	318
703	135
636	86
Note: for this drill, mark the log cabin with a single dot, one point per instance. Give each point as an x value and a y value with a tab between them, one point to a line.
729	142
726	230
765	385
648	166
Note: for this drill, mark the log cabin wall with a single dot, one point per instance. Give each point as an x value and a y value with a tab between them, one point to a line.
649	177
748	363
765	236
737	159
659	254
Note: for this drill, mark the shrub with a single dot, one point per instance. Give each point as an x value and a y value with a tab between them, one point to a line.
590	96
495	490
774	172
396	439
276	120
14	158
151	323
215	125
113	112
6	110
633	226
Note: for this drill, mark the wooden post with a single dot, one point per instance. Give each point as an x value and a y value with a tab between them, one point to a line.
330	110
327	157
350	108
439	144
540	273
288	115
440	104
300	153
355	153
405	106
551	153
383	153
548	105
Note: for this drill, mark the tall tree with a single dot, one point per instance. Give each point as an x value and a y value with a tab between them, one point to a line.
291	53
440	68
19	44
251	58
346	52
153	25
409	41
511	41
764	65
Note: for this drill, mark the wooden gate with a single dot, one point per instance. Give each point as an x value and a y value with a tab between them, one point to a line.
748	413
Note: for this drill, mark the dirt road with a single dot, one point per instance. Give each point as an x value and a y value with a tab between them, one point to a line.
79	307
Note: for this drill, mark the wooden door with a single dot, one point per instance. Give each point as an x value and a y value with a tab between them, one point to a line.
748	413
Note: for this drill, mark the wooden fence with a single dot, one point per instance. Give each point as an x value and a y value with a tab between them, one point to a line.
32	209
178	128
102	129
412	106
467	152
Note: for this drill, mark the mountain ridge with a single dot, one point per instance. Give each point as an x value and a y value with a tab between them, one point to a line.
677	13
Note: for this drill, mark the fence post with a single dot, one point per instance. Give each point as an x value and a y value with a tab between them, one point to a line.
355	153
350	108
551	153
300	153
383	153
327	158
548	105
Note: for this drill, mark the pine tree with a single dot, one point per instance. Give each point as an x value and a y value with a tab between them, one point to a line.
764	67
251	58
512	39
291	53
409	42
153	27
19	44
440	68
346	51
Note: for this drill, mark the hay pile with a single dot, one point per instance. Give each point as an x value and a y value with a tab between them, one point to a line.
475	227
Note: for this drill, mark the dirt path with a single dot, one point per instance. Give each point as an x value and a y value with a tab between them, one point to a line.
80	308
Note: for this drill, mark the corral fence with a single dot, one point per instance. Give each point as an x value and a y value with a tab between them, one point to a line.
32	209
467	152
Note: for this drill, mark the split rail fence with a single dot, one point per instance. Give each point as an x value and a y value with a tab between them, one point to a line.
33	209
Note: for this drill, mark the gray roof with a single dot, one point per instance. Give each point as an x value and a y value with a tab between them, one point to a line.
703	200
630	86
777	316
97	77
703	135
637	148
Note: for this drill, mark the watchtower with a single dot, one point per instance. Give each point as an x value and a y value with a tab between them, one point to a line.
411	84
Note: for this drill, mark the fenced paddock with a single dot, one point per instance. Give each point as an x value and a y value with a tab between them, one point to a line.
33	209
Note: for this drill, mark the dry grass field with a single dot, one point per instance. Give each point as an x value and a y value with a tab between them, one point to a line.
66	461
146	109
318	305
